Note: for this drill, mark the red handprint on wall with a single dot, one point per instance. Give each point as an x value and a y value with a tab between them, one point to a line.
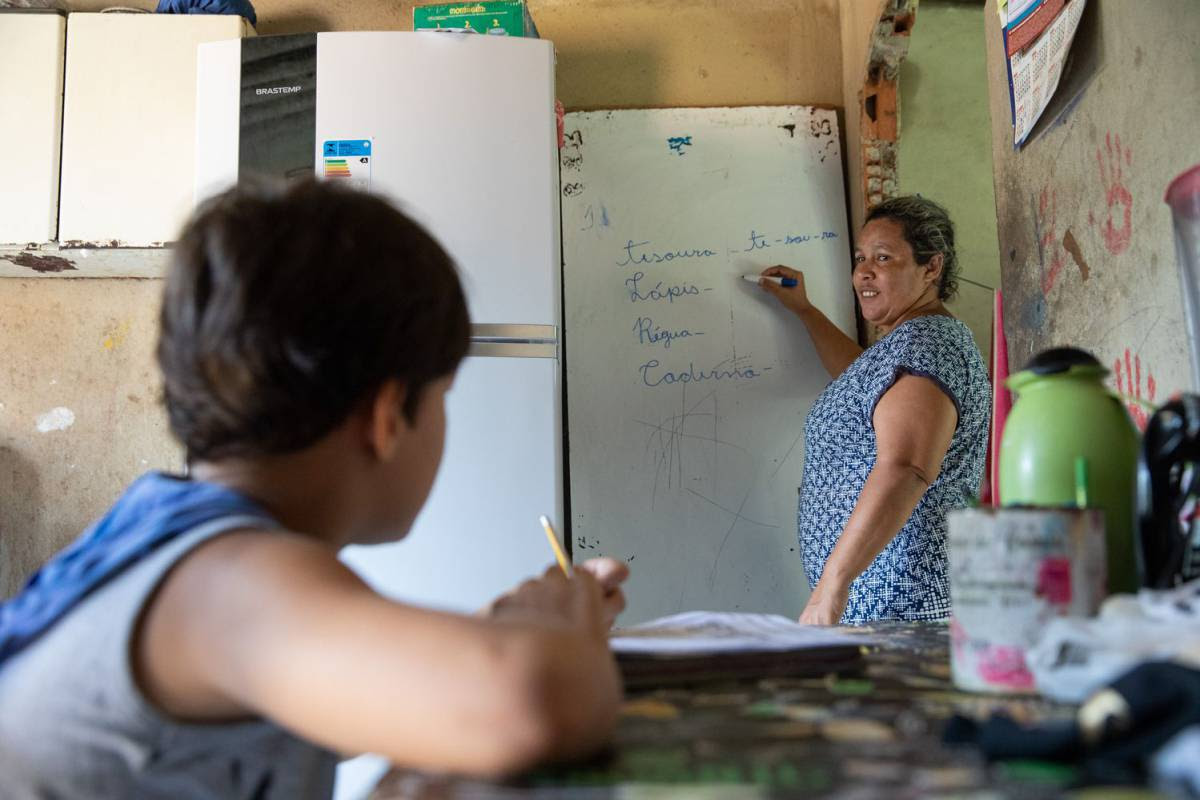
1048	243
1116	195
1129	386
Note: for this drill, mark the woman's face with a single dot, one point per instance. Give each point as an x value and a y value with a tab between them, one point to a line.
887	279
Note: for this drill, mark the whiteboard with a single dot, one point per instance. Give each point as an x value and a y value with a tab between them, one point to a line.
687	387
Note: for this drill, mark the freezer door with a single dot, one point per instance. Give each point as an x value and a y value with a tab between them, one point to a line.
459	131
31	84
478	534
129	124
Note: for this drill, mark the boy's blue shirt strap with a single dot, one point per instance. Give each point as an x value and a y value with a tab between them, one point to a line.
153	510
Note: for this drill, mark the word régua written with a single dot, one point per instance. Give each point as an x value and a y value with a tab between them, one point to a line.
649	333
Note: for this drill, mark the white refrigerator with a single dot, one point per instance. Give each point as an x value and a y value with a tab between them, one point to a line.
459	131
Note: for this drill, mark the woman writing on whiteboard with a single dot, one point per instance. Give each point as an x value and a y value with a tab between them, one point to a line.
899	437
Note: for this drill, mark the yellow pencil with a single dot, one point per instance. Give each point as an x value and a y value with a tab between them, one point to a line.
554	545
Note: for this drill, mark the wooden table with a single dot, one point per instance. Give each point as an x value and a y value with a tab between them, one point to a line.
874	734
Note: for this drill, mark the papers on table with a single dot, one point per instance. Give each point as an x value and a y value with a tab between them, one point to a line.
698	633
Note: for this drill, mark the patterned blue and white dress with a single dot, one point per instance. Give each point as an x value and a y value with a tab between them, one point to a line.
908	580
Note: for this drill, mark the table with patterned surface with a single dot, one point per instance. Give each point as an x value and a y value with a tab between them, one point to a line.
872	734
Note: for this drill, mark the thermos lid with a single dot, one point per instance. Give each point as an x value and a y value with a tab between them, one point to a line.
1060	359
1054	362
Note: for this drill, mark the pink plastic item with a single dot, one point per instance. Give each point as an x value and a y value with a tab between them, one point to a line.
1183	195
1001	397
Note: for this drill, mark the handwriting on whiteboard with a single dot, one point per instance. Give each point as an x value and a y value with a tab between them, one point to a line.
638	293
649	333
648	253
653	375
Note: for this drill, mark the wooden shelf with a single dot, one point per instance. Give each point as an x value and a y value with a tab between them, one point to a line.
52	260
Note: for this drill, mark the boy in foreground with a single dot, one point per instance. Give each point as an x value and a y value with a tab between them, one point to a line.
202	638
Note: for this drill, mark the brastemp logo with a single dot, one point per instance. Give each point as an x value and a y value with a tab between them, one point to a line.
278	90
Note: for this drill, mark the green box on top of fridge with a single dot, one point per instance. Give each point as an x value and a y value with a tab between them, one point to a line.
497	17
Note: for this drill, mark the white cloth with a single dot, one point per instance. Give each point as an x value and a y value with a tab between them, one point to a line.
1177	764
1075	657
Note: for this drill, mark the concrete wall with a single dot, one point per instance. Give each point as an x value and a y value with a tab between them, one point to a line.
86	345
1086	246
945	150
77	351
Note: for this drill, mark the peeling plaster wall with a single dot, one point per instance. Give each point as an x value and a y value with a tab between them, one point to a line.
879	124
1086	247
858	24
611	53
875	39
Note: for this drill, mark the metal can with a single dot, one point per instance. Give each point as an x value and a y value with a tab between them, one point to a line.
1011	571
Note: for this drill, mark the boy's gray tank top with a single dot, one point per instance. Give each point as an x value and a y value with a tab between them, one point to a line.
74	724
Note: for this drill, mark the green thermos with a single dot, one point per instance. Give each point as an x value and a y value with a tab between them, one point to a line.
1065	418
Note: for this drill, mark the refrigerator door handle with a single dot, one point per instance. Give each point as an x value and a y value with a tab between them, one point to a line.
496	349
514	341
514	333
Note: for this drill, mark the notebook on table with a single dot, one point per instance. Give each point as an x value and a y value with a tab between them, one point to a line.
704	646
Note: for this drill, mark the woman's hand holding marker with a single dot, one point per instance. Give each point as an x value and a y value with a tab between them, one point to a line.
794	297
757	280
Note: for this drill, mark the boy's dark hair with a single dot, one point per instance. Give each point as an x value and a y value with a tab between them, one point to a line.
928	230
287	306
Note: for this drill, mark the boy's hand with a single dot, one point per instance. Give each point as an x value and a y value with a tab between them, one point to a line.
610	574
554	599
591	599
